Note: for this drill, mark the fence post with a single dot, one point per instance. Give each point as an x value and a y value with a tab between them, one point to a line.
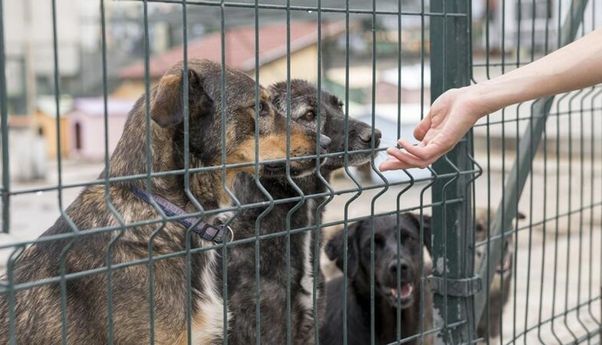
452	281
4	131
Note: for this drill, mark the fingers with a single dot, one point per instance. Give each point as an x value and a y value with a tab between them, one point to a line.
401	160
393	164
422	127
426	153
409	156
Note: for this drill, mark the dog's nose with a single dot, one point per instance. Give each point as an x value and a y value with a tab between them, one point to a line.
366	135
324	141
403	267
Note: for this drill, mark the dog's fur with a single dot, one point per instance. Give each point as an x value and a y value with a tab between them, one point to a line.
37	310
499	291
388	295
304	245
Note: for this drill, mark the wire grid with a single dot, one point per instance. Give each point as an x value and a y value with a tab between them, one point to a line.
554	286
453	181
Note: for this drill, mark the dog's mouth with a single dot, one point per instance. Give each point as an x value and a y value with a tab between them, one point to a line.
297	169
505	266
402	296
353	158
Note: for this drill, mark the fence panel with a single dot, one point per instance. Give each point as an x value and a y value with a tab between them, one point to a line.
207	226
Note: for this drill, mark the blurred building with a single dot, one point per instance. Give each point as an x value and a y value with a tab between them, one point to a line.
240	53
522	25
87	126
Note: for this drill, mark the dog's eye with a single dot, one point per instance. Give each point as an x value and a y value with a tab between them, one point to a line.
263	109
379	241
309	116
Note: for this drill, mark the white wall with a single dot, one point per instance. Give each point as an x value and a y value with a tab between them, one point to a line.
30	22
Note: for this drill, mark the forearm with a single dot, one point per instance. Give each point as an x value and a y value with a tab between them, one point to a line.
572	67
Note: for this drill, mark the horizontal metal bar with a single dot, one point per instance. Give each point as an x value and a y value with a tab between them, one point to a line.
184	252
157	174
526	118
177	172
95	231
431	331
526	227
306	8
561	314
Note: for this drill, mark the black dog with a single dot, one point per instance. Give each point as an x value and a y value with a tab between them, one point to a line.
291	278
397	279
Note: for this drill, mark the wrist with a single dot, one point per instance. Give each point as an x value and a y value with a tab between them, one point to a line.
477	98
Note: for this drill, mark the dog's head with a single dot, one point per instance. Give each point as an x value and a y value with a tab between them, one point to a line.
391	262
304	109
209	110
504	267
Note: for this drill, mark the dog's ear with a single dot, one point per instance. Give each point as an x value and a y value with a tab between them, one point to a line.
426	226
167	108
334	249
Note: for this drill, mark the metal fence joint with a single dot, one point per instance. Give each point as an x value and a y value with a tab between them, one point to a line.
464	287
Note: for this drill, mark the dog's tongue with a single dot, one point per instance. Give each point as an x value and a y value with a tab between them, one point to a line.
404	292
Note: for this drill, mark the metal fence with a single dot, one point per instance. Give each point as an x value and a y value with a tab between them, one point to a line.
535	280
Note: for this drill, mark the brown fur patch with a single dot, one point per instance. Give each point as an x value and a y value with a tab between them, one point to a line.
166	105
272	147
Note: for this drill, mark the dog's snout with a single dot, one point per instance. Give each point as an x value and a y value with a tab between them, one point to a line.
378	135
367	134
324	141
403	265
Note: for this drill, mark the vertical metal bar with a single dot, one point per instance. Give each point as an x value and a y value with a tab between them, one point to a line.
107	169
149	166
545	194
4	129
72	226
518	154
503	146
450	68
531	190
520	170
260	186
348	174
224	112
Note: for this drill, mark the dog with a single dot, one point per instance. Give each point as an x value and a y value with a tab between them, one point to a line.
499	291
397	279
36	313
297	279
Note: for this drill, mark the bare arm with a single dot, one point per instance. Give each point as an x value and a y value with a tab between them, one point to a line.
572	67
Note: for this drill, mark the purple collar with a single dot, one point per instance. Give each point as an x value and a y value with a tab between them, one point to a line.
205	231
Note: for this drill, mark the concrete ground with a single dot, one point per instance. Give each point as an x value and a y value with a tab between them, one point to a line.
557	268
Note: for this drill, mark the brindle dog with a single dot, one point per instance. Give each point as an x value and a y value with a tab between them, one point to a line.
499	290
288	274
37	310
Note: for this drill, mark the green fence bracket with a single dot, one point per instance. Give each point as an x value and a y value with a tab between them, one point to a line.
456	287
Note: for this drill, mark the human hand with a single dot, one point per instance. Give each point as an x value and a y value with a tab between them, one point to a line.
451	116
